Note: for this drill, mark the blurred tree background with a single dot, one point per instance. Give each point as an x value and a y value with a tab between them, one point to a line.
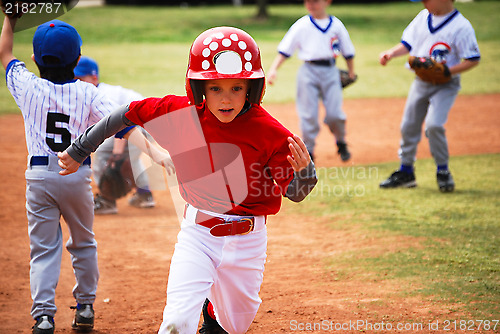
262	12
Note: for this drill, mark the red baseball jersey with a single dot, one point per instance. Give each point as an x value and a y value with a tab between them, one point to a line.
238	168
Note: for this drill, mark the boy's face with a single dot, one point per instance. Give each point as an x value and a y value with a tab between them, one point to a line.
226	97
438	7
317	8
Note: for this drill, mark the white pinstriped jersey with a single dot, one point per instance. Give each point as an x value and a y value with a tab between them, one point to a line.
317	39
54	114
447	39
119	94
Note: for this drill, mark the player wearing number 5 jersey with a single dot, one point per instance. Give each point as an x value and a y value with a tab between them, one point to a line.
56	109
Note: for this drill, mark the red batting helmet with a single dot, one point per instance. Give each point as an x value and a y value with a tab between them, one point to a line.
224	53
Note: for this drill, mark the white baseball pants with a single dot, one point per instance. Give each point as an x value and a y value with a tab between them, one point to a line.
227	270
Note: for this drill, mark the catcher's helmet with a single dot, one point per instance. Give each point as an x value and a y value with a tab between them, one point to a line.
224	53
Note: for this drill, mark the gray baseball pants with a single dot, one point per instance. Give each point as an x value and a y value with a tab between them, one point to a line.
315	82
48	197
430	104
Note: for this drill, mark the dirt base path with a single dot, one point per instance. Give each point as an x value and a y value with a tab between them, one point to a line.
136	245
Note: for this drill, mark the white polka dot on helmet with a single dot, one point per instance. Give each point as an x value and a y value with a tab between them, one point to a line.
223	53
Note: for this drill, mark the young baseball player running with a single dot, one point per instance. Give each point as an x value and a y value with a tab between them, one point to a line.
234	162
88	70
442	33
56	109
319	39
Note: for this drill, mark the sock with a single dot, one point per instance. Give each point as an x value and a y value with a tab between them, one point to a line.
143	191
406	168
210	310
442	167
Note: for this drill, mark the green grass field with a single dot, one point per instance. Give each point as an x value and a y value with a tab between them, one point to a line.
146	49
456	258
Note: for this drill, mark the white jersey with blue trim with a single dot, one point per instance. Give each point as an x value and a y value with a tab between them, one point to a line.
54	114
317	39
119	94
447	39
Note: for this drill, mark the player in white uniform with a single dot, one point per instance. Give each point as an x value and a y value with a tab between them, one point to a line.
88	70
441	32
319	39
56	109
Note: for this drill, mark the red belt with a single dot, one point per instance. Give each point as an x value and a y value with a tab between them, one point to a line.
219	227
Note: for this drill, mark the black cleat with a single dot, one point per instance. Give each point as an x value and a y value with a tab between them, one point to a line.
44	325
445	181
210	325
400	179
84	317
343	151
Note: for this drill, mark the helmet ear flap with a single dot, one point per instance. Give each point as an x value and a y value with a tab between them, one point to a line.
256	92
197	88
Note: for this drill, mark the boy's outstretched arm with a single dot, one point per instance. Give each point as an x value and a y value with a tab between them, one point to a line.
152	149
273	70
396	51
7	41
90	140
305	174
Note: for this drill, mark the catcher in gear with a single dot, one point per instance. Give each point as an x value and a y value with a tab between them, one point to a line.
118	179
442	44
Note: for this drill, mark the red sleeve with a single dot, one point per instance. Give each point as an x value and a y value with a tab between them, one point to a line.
143	111
280	169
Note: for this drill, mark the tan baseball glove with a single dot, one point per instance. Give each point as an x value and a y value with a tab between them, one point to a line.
429	70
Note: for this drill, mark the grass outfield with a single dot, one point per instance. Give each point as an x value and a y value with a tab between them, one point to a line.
455	257
146	48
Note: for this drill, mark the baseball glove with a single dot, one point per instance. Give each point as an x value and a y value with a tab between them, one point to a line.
429	70
118	178
345	79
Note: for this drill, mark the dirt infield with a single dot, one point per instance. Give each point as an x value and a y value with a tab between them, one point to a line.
136	245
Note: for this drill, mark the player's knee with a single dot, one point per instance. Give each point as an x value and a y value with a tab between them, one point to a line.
333	120
434	129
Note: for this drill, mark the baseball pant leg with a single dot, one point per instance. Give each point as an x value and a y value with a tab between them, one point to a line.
78	212
440	105
335	117
414	114
101	157
45	235
191	275
235	293
140	174
307	105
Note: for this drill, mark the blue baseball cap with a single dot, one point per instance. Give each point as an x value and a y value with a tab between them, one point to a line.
415	0
86	66
58	39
